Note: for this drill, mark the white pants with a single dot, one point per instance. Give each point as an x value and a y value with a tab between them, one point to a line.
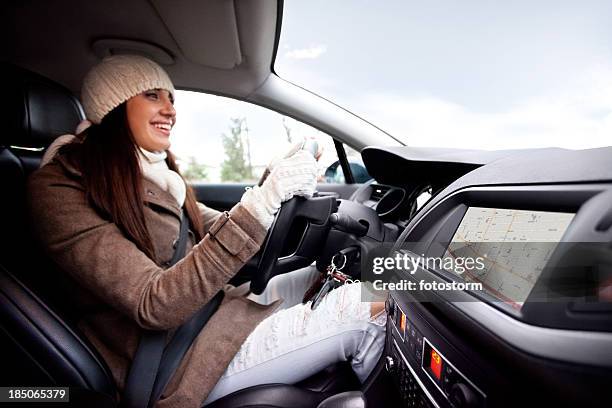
297	342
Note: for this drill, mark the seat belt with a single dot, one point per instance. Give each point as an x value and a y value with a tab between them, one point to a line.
153	357
180	343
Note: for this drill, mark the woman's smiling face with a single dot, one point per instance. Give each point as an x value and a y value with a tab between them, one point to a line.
151	116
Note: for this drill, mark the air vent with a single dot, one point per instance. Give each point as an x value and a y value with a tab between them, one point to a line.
378	192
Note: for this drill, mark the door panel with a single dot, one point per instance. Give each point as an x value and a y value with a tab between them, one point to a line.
223	196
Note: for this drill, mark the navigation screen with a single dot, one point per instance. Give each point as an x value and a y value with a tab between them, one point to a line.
513	247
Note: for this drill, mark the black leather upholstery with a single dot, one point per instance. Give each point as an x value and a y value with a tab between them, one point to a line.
335	378
349	399
48	341
38	110
35	111
271	396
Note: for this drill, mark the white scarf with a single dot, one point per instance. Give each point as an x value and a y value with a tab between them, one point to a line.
154	167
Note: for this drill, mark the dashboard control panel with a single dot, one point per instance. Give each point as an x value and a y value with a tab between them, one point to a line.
424	376
411	389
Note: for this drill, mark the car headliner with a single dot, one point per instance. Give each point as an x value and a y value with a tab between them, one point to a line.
217	46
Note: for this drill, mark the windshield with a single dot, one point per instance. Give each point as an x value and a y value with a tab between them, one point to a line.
466	74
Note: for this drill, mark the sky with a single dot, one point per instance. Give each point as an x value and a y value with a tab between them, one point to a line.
485	74
471	73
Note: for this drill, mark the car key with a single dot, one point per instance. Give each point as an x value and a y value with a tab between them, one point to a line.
327	286
315	287
333	279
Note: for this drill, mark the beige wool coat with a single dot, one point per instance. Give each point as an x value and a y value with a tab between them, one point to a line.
122	291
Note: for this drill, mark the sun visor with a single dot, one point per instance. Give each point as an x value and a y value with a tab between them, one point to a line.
205	31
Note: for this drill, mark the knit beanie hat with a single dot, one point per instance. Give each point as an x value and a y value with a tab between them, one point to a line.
118	78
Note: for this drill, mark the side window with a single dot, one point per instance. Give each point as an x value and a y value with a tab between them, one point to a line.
222	140
335	174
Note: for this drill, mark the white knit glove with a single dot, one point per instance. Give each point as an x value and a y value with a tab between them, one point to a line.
296	147
293	176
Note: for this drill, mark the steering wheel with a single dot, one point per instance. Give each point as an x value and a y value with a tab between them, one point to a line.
269	262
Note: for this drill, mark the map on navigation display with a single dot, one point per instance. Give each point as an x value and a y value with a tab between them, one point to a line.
514	246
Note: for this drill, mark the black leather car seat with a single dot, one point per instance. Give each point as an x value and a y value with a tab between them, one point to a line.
39	342
35	112
38	346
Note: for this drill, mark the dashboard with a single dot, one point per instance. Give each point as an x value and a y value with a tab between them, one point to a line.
538	331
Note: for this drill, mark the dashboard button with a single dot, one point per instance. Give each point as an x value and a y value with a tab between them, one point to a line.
419	340
411	346
390	364
461	396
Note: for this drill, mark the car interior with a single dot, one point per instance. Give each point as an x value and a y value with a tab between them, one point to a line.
471	349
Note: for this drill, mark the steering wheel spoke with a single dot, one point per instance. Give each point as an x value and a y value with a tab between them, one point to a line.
273	259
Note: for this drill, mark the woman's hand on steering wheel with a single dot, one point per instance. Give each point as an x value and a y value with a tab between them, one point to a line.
293	176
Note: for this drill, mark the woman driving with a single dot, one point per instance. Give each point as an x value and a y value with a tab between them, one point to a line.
108	209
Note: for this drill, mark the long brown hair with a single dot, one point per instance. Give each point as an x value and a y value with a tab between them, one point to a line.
107	156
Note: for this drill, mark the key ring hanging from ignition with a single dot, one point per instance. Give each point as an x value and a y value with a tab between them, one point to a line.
333	263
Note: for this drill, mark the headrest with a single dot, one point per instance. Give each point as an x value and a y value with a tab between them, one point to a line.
38	109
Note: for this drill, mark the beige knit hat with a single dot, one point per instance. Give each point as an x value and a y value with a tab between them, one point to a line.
118	78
